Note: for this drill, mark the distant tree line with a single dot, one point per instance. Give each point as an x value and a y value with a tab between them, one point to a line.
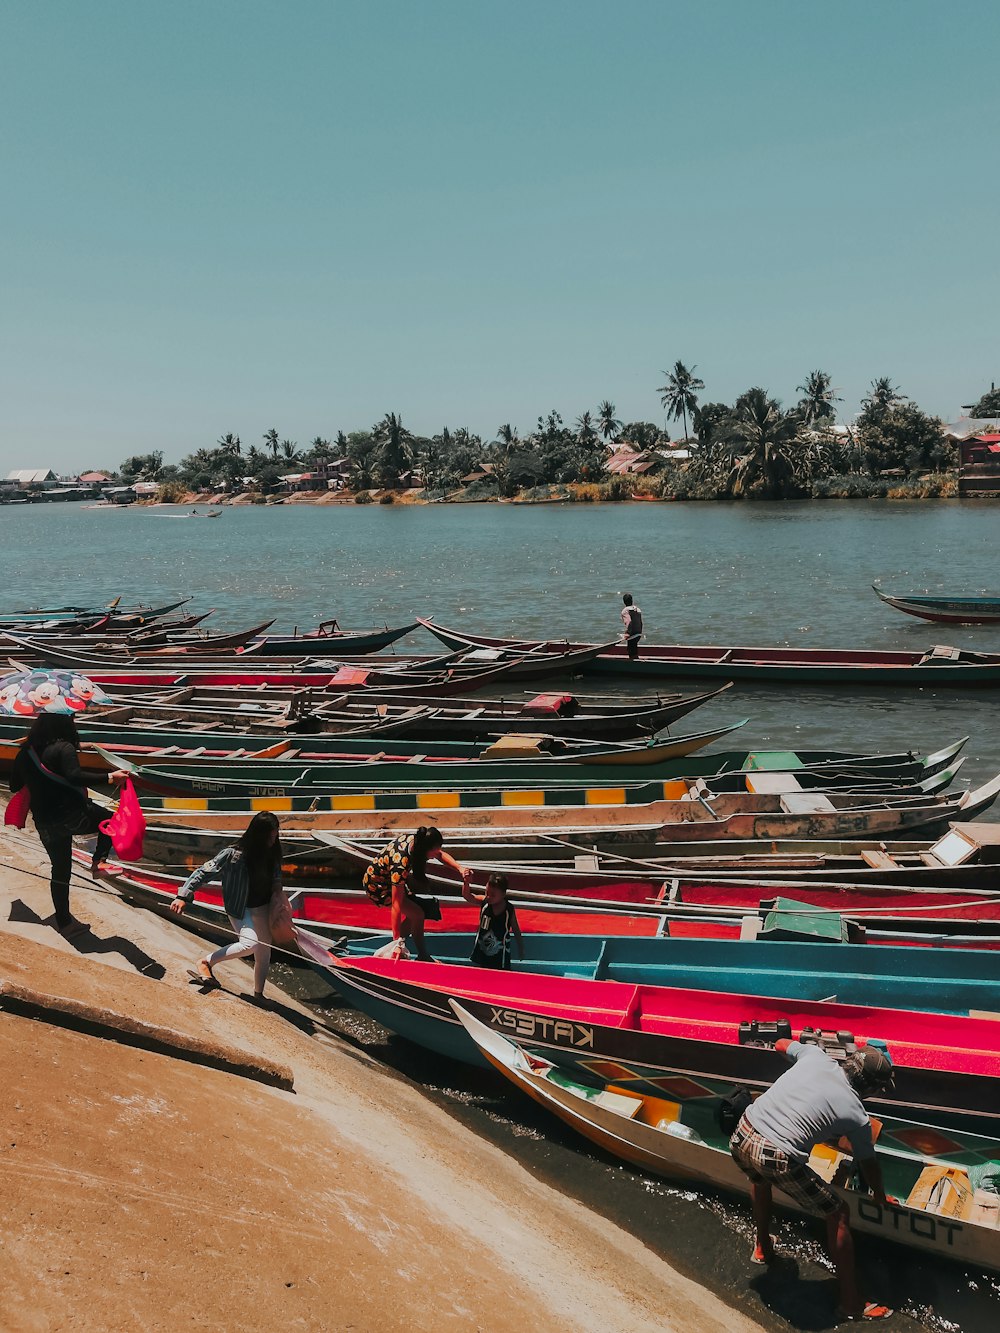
750	448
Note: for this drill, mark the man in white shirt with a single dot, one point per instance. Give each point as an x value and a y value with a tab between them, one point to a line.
632	620
817	1100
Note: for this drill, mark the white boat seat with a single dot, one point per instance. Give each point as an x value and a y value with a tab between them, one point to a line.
772	784
806	803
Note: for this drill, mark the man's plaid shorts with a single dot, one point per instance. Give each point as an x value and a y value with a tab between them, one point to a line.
761	1160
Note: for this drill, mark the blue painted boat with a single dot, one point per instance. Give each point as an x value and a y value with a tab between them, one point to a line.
950	981
946	610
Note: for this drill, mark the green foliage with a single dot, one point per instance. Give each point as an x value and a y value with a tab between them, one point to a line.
901	436
387	499
171	493
641	434
679	394
363	498
394	449
707	421
988	405
772	460
607	423
818	398
142	467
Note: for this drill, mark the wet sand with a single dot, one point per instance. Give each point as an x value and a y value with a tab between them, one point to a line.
144	1188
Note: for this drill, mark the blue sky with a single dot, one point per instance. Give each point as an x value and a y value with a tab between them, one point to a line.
227	216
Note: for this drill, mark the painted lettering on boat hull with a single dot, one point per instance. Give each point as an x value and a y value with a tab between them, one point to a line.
536	1027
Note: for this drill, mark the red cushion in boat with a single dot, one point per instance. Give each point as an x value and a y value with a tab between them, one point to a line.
348	675
549	703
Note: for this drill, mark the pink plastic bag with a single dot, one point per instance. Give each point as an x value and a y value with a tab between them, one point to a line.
16	814
127	826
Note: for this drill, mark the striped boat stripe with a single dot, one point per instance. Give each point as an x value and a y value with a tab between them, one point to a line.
522	798
424	800
351	803
438	800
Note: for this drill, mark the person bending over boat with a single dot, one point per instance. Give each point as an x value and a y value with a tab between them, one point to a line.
250	871
632	620
401	869
48	764
497	925
817	1100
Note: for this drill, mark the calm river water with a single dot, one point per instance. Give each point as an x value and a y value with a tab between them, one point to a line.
749	574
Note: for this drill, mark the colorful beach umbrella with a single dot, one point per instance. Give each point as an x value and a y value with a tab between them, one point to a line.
28	693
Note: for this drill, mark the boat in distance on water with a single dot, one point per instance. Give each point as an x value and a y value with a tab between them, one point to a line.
945	610
868	668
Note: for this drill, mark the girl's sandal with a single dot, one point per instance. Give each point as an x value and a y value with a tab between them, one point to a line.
872	1310
757	1254
203	974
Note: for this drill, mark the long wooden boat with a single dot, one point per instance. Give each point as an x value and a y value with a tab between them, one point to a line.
676	1133
106	625
692	900
602	816
275	711
283	759
329	637
947	1066
946	610
55	654
344	911
113	609
361	764
280	758
953	982
833	814
868	668
248	672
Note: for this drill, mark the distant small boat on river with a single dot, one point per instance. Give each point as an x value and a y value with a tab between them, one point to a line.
946	610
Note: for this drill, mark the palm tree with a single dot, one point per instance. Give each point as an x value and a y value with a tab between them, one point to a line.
256	459
770	456
818	398
678	395
271	441
395	448
607	423
320	450
507	438
290	452
585	431
882	396
230	445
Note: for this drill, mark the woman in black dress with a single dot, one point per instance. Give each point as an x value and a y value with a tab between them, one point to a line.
48	764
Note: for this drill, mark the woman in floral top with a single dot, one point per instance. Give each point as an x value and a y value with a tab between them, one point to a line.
400	871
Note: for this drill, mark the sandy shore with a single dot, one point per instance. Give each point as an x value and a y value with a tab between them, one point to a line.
141	1188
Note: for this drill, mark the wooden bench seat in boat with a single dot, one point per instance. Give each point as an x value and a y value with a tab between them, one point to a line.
878	860
806	803
772	784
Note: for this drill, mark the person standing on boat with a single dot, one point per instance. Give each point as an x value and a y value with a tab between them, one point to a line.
817	1100
632	620
250	871
497	925
48	764
396	874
